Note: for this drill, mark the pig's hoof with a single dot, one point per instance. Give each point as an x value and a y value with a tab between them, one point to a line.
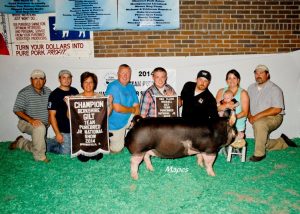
150	168
211	174
135	176
200	163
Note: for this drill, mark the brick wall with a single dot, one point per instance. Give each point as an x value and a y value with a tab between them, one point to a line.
212	28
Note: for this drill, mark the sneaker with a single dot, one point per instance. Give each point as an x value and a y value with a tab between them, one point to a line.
288	141
46	160
256	159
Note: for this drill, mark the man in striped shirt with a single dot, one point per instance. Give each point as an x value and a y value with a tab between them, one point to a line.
159	88
31	108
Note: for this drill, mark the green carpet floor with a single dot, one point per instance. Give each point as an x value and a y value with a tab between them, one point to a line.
66	185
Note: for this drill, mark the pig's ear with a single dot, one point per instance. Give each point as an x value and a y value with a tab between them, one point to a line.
232	118
135	120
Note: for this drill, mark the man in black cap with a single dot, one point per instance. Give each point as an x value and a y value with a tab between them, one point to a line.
198	103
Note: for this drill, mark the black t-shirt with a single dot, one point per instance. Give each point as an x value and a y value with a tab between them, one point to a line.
199	108
57	103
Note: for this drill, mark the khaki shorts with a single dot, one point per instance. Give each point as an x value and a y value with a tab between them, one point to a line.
116	142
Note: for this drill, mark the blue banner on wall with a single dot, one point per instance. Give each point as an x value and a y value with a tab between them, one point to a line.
88	15
91	15
27	6
148	14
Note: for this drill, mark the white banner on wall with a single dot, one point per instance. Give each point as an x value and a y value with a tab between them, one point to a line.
36	35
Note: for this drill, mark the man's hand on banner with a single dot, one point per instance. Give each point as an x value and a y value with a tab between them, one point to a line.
110	104
66	99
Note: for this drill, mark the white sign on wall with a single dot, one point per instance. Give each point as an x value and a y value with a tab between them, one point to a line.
36	35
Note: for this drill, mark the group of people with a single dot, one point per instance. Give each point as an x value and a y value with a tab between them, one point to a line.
37	106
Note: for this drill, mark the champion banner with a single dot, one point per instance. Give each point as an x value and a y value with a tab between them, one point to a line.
89	125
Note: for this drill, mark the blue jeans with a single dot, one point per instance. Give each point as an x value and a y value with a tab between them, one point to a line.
55	147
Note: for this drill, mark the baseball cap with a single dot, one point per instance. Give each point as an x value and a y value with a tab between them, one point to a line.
262	67
36	73
204	74
62	72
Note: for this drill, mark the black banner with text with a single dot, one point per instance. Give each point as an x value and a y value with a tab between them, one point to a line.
89	125
166	106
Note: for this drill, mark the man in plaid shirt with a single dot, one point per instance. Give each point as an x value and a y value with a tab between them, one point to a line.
159	88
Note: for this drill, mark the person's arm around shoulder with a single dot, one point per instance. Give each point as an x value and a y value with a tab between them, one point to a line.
245	103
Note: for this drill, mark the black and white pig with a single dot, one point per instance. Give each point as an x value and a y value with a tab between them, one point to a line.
175	138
